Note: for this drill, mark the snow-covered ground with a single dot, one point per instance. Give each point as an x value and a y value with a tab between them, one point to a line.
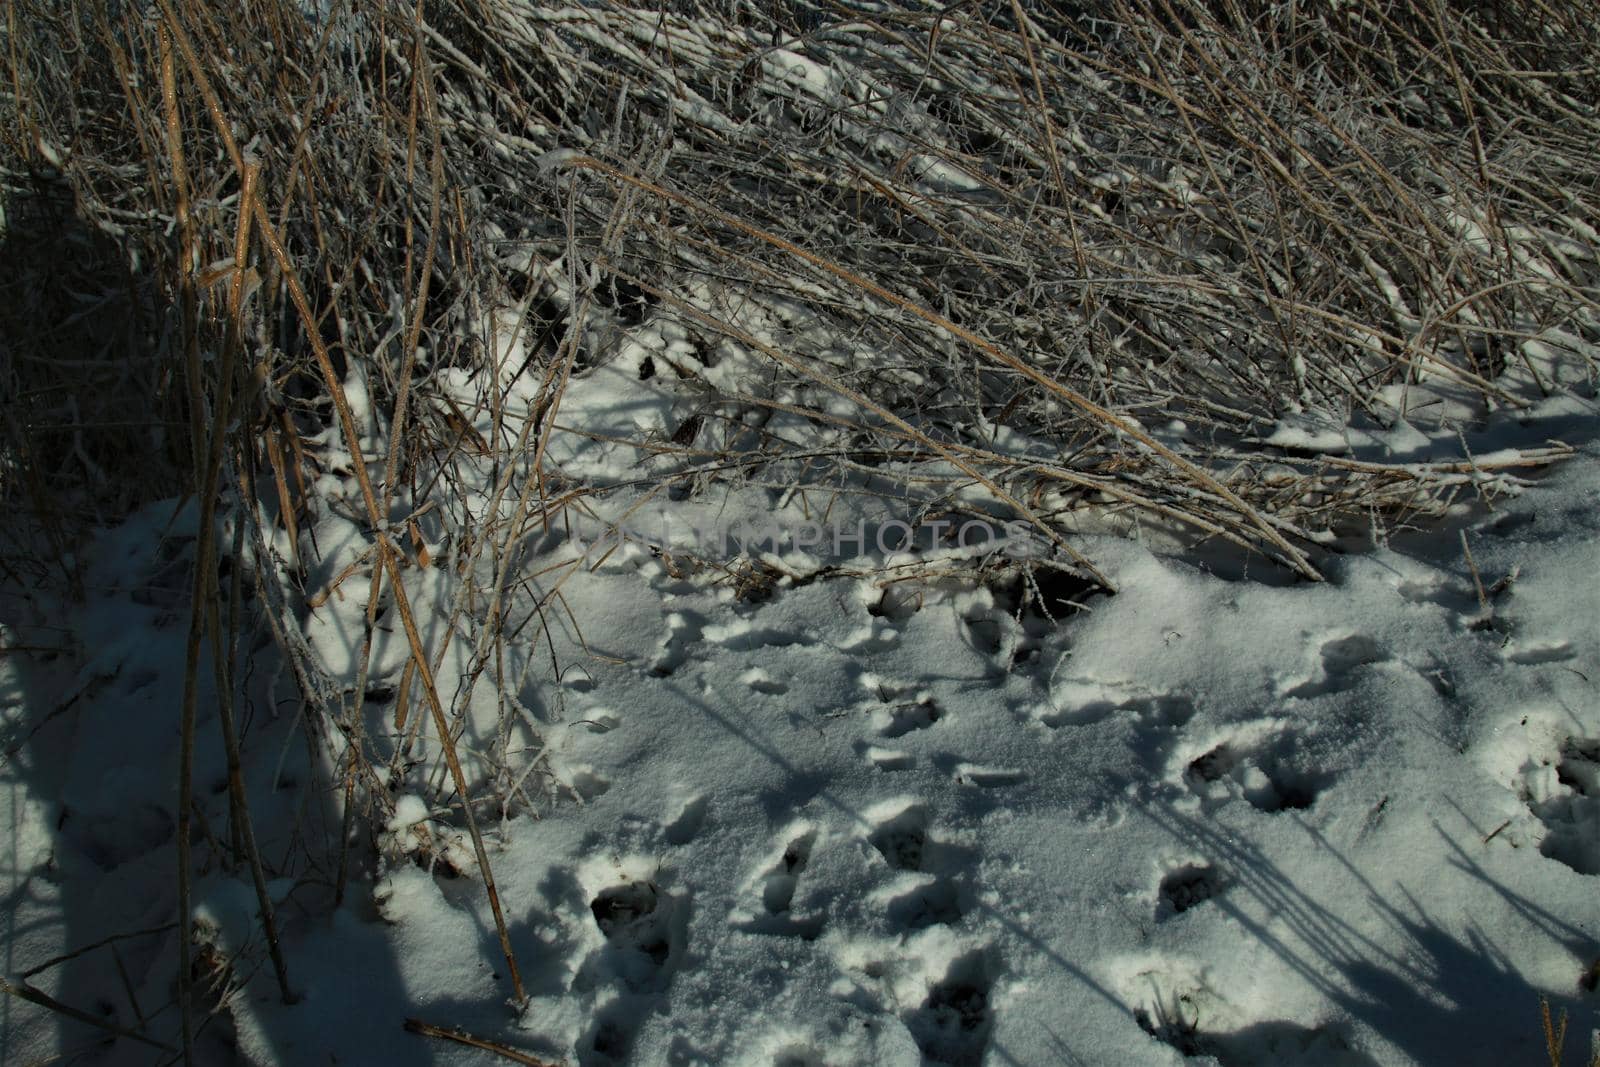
836	821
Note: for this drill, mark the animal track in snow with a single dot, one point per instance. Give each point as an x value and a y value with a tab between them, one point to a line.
1452	597
1266	1044
686	826
1172	1001
953	1024
1564	794
868	640
778	886
165	578
598	720
762	682
1265	764
1084	703
643	931
684	628
1514	525
904	841
982	777
111	838
887	690
577	680
1341	657
938	903
897	602
1186	887
903	838
742	635
798	1056
898	717
586	784
1533	654
887	759
610	1038
779	892
901	719
987	635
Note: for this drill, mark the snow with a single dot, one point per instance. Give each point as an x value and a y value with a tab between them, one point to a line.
1339	824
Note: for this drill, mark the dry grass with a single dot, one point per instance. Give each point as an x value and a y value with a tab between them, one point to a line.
1555	1037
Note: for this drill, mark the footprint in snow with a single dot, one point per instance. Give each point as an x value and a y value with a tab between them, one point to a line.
900	719
644	929
778	887
1186	887
1342	658
902	839
886	759
1270	768
1563	793
798	1056
598	720
936	903
585	784
905	842
1534	654
1079	703
684	628
875	638
1448	595
954	1022
760	681
978	775
741	635
685	827
1179	1020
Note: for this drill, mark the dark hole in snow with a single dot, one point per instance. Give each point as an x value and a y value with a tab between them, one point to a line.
904	718
610	1040
647	369
1046	593
1186	888
1273	777
1214	764
986	635
1346	654
903	839
953	1024
899	602
1293	796
628	301
615	908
